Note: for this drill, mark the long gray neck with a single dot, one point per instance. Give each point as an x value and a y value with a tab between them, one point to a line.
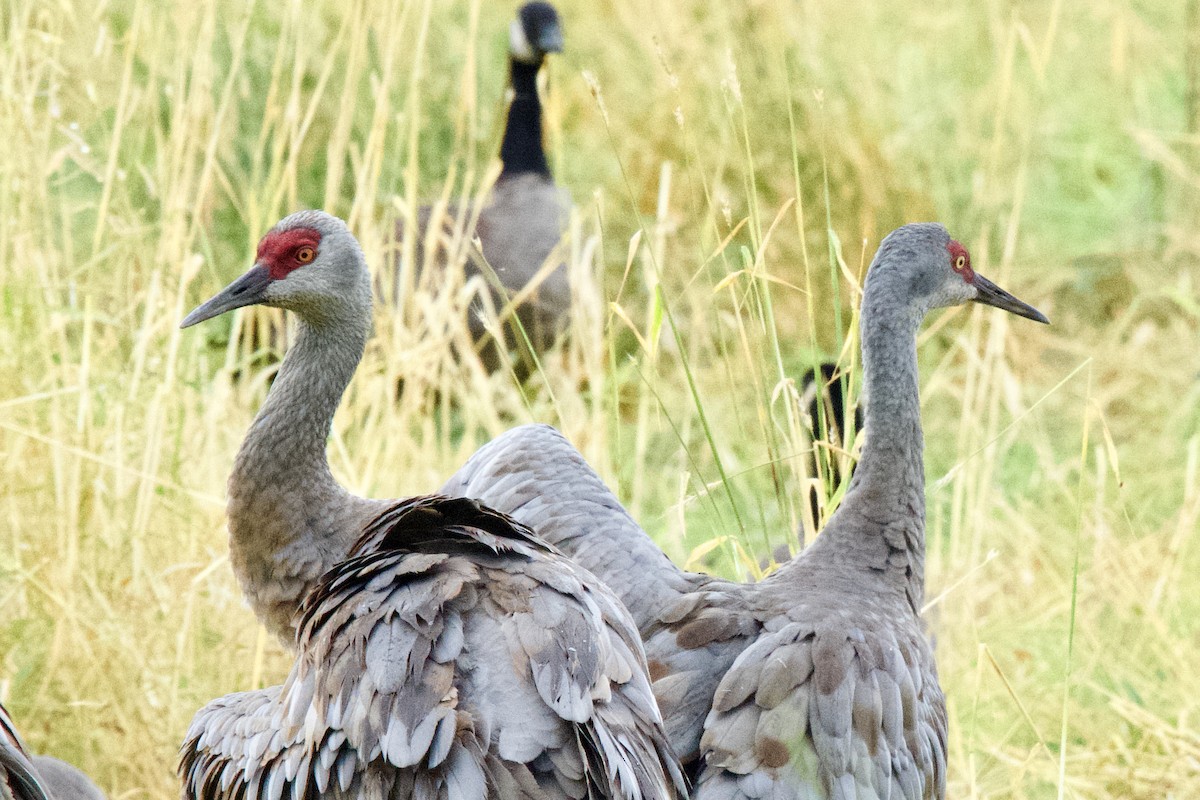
880	525
289	520
290	430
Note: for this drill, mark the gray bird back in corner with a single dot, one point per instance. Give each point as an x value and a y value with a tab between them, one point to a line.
25	777
19	778
64	782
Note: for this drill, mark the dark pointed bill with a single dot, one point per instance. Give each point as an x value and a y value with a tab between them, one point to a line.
245	291
992	295
550	40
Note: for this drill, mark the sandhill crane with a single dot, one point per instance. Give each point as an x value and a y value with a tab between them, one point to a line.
525	213
818	681
25	777
443	650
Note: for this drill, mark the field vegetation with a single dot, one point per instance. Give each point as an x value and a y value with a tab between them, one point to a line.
734	166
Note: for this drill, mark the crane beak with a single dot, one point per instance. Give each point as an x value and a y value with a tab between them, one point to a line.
245	291
992	295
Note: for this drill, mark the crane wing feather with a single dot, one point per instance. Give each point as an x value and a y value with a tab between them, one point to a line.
825	711
453	653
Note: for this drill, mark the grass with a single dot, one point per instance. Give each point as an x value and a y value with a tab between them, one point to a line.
734	167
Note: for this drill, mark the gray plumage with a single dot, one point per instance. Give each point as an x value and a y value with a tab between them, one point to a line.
535	475
452	655
819	681
25	777
19	779
289	520
443	650
524	215
63	781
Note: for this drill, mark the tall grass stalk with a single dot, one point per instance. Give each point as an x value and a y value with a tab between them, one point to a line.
732	180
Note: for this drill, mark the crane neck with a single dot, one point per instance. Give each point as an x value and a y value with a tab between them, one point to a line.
881	522
294	422
289	519
522	150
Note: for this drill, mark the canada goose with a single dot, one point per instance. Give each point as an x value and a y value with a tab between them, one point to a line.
523	217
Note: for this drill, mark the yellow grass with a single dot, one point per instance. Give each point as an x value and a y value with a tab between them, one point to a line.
734	165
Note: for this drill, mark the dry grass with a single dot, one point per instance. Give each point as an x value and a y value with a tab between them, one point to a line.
734	165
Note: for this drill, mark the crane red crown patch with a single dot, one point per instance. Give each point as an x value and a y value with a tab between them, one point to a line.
960	261
286	251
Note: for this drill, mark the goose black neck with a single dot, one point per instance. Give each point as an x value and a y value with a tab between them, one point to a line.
521	150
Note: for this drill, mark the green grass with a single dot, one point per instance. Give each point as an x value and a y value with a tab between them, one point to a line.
734	167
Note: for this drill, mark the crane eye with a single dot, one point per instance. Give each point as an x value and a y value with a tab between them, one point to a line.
960	263
305	254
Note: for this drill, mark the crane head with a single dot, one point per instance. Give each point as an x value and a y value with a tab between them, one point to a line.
922	265
308	263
